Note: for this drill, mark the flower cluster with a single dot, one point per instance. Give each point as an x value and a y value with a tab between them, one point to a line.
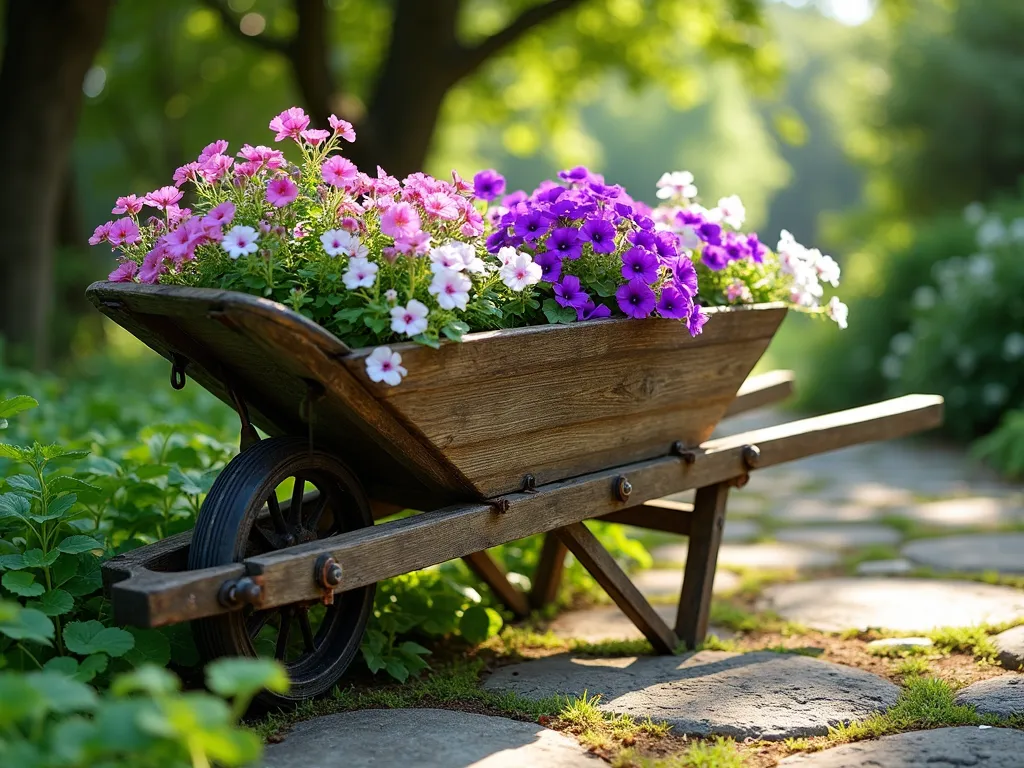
379	260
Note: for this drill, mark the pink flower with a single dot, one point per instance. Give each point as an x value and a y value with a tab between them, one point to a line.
441	206
222	214
351	224
247	170
129	204
410	320
315	136
187	172
215	148
417	244
125	272
281	191
124	232
342	128
215	167
101	233
290	124
461	185
271	158
339	171
384	184
474	224
400	220
180	244
153	266
451	288
163	197
176	215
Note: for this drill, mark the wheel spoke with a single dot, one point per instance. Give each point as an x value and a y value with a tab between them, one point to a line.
307	629
266	537
316	511
257	621
295	511
281	651
275	514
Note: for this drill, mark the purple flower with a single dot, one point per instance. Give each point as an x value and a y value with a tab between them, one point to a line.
591	312
685	276
715	257
568	209
695	322
756	247
736	246
496	241
641	239
488	184
551	264
548	192
640	264
605	192
577	174
665	245
709	232
569	293
600	233
635	299
674	303
565	242
533	225
513	198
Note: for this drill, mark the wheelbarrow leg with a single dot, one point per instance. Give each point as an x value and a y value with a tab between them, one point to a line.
701	559
547	577
602	566
493	575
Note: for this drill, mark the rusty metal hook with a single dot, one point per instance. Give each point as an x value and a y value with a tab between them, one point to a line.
178	365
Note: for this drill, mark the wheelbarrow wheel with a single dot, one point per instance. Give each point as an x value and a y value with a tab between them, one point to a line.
273	495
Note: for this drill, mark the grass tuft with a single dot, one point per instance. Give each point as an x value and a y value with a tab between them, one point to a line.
972	640
719	752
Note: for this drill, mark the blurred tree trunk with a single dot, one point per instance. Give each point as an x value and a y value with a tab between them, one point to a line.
49	46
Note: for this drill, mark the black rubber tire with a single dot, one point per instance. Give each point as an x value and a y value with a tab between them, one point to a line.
223	535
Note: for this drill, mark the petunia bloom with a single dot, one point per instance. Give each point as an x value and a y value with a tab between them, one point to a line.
635	299
339	171
315	136
129	204
520	271
385	366
695	322
400	220
674	304
676	184
451	289
600	233
223	214
239	241
569	292
838	311
125	272
488	185
339	242
590	311
565	242
100	234
641	264
290	124
281	191
410	319
123	232
551	266
342	128
163	197
361	273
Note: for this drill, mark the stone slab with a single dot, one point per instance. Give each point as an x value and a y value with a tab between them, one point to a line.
1002	696
964	747
896	567
800	509
607	622
849	536
424	738
665	584
974	511
759	695
1002	552
768	556
1011	648
904	605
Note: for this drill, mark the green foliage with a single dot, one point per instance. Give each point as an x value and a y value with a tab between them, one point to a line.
1003	448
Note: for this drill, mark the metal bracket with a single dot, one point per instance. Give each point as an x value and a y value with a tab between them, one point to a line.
178	365
529	484
249	436
234	593
327	573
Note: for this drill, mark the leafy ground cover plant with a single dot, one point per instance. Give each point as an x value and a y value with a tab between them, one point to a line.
377	260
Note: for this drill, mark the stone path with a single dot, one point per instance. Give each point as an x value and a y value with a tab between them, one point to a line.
966	747
902	605
766	556
1002	552
1011	648
1002	696
423	738
757	695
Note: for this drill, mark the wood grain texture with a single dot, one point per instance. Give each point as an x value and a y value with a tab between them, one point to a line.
762	390
393	548
494	576
547	577
606	572
701	561
660	515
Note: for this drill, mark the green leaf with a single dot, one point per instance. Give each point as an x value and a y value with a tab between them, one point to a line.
29	624
397	669
151	646
92	666
245	677
19	700
14	505
427	341
13	452
63	664
62	570
61	693
556	313
88	579
56	602
34	558
12	406
57	508
86	637
149	678
54	452
76	545
349	315
22	583
189	485
13	562
479	623
24	483
66	483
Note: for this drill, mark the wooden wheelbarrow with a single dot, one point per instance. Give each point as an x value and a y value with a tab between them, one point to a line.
509	434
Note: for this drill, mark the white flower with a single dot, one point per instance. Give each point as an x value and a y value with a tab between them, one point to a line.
676	184
360	274
451	288
837	311
732	211
456	256
827	269
974	213
338	242
506	254
410	320
385	365
391	295
239	241
520	271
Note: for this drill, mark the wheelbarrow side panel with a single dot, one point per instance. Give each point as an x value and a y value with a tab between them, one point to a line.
555	402
268	355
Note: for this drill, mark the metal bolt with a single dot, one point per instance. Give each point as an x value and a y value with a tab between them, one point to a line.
529	484
327	572
677	447
243	591
751	456
623	488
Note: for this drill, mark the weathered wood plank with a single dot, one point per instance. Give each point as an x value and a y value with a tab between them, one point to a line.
547	578
659	515
493	575
400	546
606	572
761	390
701	561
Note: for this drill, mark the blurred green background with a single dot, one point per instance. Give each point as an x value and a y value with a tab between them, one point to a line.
889	134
